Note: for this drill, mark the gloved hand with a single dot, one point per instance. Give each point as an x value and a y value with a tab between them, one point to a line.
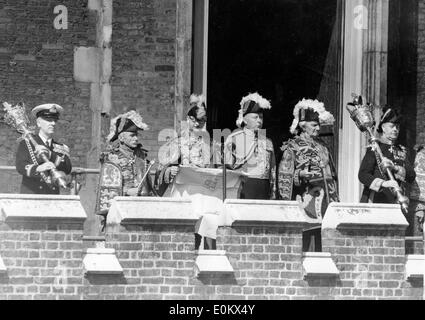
390	184
45	166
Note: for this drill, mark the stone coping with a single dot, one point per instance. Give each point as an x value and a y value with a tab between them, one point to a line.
241	212
415	266
151	210
101	261
180	211
364	216
319	264
212	262
23	208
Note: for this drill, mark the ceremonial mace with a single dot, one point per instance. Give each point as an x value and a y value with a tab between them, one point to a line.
17	118
362	116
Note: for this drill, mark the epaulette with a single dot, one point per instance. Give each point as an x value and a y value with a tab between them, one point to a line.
61	148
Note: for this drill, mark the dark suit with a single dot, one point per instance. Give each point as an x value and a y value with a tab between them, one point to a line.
370	175
32	182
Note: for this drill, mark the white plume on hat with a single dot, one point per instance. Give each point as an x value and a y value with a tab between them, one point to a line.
262	103
325	117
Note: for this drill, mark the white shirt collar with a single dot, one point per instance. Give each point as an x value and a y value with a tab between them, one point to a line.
47	142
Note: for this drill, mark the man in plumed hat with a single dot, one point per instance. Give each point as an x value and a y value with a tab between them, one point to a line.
124	164
125	151
190	149
248	150
306	172
36	173
377	186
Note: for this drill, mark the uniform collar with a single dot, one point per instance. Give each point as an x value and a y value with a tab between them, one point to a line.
249	132
126	151
387	142
304	136
47	142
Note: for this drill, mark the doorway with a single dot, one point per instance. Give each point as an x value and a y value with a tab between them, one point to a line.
285	50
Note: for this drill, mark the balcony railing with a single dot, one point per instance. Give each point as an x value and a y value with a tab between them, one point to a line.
79	171
75	172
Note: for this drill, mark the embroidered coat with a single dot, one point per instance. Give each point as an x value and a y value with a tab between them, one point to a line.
132	164
312	155
372	177
190	149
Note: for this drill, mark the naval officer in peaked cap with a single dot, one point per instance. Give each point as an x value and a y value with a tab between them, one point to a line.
35	173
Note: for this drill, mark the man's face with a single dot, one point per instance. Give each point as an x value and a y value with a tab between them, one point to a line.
254	121
390	130
199	122
46	126
130	139
312	128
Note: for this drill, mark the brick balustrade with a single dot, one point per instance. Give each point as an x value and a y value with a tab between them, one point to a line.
43	250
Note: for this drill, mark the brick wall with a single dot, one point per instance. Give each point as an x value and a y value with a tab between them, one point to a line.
143	63
420	117
372	263
44	260
36	65
159	263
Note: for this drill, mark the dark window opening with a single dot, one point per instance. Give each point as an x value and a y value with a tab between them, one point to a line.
284	49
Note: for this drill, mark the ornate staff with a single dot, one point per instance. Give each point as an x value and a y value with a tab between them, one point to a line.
362	116
17	118
140	187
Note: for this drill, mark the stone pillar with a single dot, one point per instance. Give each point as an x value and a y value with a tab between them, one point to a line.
349	135
365	73
183	59
94	65
200	46
375	53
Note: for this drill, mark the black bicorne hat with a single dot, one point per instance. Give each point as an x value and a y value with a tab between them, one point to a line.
128	122
252	107
308	115
389	115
